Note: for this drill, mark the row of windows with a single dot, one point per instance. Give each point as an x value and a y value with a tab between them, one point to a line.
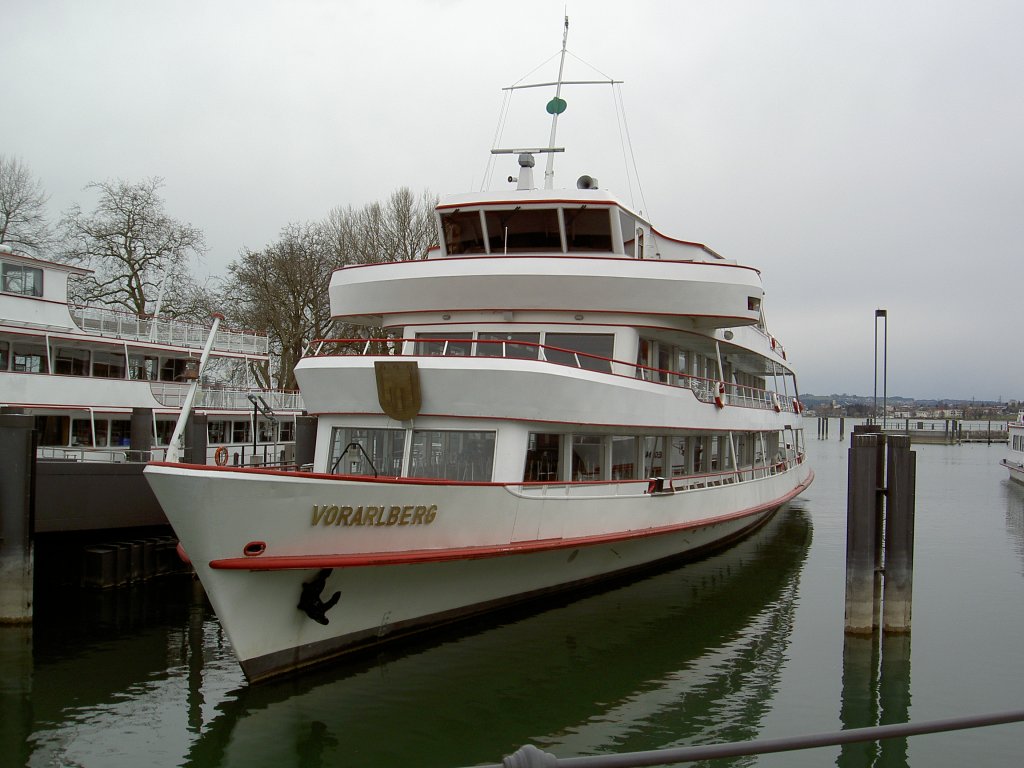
469	455
436	454
636	457
71	431
21	279
582	350
521	230
31	357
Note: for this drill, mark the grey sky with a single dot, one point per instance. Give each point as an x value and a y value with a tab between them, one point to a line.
861	154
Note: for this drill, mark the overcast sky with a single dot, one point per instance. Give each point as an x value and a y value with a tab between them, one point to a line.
862	155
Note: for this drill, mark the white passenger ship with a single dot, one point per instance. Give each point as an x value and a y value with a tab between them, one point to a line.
564	394
83	371
1014	460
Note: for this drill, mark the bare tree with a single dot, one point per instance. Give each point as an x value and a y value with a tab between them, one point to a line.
23	221
399	229
135	249
282	290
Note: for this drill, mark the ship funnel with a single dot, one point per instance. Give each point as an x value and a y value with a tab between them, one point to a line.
525	171
586	182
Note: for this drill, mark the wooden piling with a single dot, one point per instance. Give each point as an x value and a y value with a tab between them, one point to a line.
862	533
901	482
880	532
17	485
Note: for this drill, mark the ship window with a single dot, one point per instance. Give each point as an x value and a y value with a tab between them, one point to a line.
266	431
462	232
164	431
29	358
81	431
74	362
521	230
377	451
504	345
624	457
240	432
287	431
120	432
108	365
588	229
452	455
542	457
594	349
173	369
442	343
143	367
216	431
17	278
5	355
587	455
52	430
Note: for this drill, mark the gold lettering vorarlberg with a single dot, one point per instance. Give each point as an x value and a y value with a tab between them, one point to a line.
376	516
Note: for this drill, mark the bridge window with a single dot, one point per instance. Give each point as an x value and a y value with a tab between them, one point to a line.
462	232
588	229
522	230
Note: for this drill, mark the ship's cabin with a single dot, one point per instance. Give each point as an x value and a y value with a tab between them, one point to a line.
587	221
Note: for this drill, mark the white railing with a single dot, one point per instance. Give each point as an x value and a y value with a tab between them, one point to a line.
104	321
173	396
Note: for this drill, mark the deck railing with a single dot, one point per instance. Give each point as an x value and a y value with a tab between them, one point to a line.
173	395
104	321
704	389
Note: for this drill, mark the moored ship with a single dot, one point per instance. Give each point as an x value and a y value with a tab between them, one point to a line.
561	394
1014	459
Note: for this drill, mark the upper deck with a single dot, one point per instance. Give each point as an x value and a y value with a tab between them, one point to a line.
34	300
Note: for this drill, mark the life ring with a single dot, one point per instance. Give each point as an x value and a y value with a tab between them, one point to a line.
796	406
775	403
221	456
720	397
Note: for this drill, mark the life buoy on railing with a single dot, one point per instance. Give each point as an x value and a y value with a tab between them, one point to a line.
221	456
775	402
720	397
796	406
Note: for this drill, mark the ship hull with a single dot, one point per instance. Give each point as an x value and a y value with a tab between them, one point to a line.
404	556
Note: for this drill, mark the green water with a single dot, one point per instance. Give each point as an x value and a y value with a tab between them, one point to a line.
746	644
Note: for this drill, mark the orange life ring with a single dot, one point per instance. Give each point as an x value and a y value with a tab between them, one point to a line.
720	397
775	403
221	456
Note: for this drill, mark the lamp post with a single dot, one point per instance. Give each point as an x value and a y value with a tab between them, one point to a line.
881	314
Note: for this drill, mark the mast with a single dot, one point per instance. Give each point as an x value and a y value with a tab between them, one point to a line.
556	107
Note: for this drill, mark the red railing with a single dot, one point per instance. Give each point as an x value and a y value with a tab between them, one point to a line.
704	389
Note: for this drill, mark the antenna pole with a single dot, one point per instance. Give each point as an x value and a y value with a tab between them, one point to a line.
549	170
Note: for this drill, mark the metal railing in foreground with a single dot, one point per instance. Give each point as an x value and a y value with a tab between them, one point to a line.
530	756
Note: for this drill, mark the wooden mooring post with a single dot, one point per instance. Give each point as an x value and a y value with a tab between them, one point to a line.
880	532
17	484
